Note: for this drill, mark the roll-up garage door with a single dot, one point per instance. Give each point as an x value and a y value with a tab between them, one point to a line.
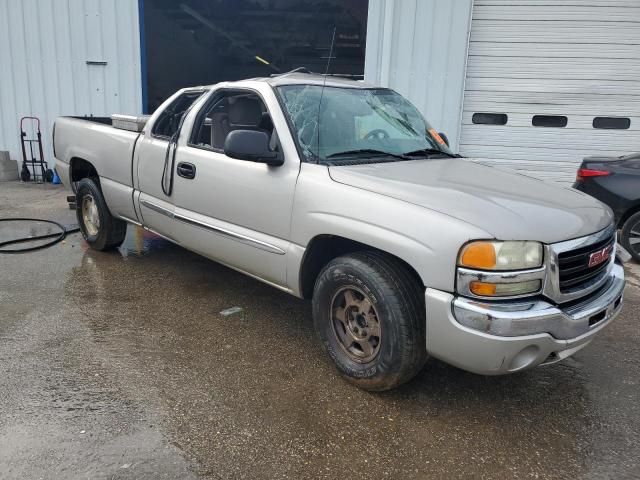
551	81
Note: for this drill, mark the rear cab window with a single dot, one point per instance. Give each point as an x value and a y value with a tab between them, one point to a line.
169	120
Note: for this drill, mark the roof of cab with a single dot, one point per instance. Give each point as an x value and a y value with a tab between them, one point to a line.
295	78
316	79
298	78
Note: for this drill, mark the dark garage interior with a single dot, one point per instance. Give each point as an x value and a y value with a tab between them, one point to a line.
200	42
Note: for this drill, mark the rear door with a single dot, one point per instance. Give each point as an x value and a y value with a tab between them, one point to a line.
154	203
235	211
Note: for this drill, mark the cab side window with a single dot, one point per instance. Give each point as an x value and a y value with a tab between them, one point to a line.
169	120
229	111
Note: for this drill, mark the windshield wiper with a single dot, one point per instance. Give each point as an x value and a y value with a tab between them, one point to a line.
428	152
368	151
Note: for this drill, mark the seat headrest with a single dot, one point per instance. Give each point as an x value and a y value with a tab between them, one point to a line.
266	123
245	111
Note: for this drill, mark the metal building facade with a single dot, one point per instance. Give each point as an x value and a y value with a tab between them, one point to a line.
419	48
66	57
532	85
549	83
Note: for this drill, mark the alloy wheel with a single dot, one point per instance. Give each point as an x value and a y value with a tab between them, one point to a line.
90	215
634	238
356	324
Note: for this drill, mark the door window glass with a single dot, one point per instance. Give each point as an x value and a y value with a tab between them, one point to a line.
559	121
489	118
229	111
612	123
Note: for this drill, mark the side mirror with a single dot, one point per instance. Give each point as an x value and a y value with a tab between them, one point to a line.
251	145
444	137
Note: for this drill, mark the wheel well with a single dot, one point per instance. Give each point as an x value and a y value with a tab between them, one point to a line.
80	168
324	248
633	210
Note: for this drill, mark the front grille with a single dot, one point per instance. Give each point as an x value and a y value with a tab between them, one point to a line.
574	270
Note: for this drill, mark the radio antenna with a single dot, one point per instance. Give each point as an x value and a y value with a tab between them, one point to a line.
324	82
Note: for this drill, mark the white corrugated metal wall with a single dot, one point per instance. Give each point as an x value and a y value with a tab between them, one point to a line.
578	59
66	57
419	48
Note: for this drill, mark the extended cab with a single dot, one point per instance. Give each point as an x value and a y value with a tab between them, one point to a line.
341	192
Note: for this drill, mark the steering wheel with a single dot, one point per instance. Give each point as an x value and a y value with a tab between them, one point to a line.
377	134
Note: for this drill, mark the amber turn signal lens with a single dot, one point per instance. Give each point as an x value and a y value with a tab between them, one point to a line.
479	255
482	289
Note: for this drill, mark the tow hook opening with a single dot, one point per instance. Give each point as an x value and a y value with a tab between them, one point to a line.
602	315
597	318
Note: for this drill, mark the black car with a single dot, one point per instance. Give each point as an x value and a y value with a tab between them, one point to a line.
616	182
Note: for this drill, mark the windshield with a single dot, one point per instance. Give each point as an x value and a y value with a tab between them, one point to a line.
369	123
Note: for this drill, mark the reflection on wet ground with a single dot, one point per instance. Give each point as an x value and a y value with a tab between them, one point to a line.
132	350
139	241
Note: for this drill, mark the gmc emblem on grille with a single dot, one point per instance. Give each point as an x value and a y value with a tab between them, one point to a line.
596	258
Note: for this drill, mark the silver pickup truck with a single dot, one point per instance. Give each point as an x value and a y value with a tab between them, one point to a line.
341	192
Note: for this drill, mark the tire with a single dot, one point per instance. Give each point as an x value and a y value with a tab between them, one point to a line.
387	347
631	232
99	228
25	174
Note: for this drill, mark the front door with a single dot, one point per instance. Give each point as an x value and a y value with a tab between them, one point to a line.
235	211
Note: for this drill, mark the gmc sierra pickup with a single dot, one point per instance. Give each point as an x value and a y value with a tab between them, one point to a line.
341	192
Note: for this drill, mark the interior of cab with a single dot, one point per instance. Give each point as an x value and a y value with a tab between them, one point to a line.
169	120
231	111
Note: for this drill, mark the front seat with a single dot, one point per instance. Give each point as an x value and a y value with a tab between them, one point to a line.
245	113
219	129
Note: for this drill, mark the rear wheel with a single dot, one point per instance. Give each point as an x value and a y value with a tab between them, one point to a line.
368	312
100	229
630	236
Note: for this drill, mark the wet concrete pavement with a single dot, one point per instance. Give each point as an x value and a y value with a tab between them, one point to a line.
120	365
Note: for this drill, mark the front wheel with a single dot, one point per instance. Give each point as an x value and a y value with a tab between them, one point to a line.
100	229
630	236
368	311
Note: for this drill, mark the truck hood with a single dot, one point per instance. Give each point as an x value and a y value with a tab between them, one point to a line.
507	205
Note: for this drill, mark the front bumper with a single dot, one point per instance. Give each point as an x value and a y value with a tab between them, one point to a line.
513	336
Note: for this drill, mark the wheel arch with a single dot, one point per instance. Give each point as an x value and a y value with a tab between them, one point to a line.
80	168
635	208
325	247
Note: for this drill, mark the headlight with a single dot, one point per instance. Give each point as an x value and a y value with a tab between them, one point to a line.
500	269
493	255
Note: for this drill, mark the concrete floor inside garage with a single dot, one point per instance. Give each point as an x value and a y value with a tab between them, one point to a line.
119	365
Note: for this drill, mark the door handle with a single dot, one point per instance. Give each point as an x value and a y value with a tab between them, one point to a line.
186	170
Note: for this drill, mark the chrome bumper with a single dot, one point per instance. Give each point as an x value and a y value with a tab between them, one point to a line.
494	338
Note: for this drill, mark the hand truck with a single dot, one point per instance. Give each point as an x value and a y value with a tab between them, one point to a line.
45	175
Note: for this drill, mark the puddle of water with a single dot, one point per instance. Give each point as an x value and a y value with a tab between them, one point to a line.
139	242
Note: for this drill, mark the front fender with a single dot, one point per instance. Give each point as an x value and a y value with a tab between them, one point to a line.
429	241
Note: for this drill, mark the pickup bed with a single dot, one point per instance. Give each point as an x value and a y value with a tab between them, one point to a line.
340	192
